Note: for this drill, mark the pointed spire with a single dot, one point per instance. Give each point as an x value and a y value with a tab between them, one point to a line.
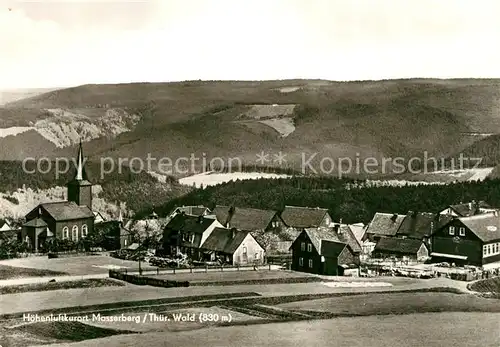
79	163
120	217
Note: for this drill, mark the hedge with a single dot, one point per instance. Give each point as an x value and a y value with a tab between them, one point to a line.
146	281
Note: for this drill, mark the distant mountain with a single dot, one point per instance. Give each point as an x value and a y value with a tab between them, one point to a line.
12	95
380	119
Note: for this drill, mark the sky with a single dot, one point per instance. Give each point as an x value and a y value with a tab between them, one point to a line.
66	43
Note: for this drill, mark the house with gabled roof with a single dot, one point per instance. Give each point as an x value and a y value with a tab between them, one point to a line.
320	251
473	240
305	217
244	218
403	250
468	209
66	220
235	247
185	234
383	225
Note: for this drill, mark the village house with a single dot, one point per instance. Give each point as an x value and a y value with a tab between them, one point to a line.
472	240
296	218
345	235
401	250
319	251
67	220
248	219
383	225
231	246
468	209
185	234
116	235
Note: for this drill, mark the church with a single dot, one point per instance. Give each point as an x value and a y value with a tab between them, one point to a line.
66	220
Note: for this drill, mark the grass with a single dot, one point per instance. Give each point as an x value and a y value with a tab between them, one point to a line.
40	287
9	272
488	286
243	275
69	331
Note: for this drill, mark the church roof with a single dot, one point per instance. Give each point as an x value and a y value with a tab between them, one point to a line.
36	223
67	210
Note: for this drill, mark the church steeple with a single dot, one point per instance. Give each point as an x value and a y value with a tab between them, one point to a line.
80	167
80	189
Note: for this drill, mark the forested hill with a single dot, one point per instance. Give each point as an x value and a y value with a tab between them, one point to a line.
137	190
350	200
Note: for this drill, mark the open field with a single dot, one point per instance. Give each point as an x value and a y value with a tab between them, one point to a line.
40	287
16	271
84	265
396	303
431	330
207	179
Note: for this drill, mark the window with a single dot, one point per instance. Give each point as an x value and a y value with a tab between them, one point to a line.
310	263
302	246
301	261
85	230
244	250
462	231
74	233
27	240
256	255
309	247
125	242
452	230
485	250
191	238
65	233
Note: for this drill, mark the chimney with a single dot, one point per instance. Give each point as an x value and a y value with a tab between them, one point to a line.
200	219
230	215
471	204
394	217
340	221
233	233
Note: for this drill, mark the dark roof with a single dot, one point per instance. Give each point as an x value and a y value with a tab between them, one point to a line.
192	210
249	219
418	225
222	240
332	249
319	235
469	208
485	226
67	210
111	227
63	210
346	236
303	217
397	245
189	225
36	223
385	224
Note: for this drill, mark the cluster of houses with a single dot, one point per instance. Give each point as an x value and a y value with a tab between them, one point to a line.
464	234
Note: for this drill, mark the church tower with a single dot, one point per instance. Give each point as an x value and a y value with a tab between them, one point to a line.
80	189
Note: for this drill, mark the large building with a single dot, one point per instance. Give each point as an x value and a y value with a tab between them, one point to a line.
66	220
473	240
